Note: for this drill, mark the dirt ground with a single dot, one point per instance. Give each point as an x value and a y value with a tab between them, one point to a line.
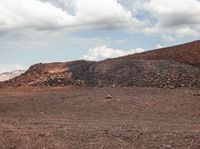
82	118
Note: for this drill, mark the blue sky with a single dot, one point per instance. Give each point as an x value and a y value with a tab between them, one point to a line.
33	31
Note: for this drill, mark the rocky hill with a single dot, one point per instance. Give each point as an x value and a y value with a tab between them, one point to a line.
177	66
188	53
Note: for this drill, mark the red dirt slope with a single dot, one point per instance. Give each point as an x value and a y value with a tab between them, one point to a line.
188	53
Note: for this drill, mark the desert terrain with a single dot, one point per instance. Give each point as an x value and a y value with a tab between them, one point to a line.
82	118
148	100
99	74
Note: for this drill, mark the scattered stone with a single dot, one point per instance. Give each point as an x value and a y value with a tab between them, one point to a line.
198	94
41	135
12	147
108	97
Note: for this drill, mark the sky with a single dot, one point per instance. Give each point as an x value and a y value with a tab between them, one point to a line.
42	31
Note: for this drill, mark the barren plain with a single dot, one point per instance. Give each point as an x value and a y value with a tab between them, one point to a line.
82	118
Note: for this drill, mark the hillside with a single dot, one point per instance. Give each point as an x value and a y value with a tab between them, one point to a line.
170	67
188	53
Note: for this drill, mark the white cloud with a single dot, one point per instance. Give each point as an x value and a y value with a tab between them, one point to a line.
175	13
96	41
186	31
158	46
177	19
33	14
43	15
103	52
104	13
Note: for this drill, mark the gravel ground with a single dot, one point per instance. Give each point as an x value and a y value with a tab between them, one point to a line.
82	118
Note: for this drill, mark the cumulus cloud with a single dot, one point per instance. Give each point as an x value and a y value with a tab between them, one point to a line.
105	13
175	13
103	52
158	46
96	41
176	18
46	15
15	14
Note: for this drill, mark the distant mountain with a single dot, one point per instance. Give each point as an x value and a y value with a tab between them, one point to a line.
171	67
9	75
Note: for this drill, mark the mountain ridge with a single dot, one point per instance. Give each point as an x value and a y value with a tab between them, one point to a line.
9	75
171	67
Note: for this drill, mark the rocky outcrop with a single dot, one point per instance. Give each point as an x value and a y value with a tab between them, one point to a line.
166	68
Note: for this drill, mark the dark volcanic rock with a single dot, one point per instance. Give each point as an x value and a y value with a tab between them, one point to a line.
167	68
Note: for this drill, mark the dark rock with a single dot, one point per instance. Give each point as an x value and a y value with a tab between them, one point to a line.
171	67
